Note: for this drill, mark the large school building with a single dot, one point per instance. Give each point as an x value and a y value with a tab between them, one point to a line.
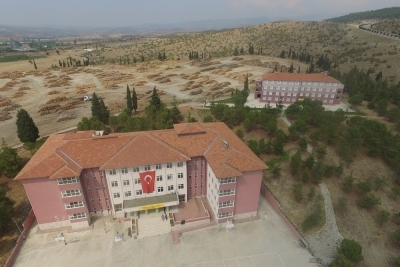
77	176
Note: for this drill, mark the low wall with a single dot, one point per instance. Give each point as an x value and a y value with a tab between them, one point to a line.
27	225
276	206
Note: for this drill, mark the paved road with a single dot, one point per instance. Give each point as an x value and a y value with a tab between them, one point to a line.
264	242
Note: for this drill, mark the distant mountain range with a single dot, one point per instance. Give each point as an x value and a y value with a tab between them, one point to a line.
384	13
143	29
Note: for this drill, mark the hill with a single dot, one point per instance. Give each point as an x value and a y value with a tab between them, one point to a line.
384	13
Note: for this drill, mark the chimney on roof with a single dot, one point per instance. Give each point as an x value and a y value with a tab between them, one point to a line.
97	133
275	72
225	145
325	73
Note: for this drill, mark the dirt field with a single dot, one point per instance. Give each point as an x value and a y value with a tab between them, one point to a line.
52	95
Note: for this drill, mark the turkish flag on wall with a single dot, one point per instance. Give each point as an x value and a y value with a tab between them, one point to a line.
147	181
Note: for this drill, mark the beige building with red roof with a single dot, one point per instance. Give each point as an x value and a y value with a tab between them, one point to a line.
77	176
292	87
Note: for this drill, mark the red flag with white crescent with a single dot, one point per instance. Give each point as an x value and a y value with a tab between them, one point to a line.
147	181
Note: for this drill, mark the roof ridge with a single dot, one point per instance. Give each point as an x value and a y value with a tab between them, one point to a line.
254	160
125	145
165	144
68	157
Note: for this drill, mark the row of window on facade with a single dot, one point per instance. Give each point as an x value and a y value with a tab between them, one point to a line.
169	165
300	94
139	192
159	178
291	100
278	88
195	163
305	83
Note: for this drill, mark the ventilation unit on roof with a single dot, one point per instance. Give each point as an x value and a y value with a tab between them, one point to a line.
225	145
97	133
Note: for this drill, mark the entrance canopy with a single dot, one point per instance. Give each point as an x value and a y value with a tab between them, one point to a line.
149	203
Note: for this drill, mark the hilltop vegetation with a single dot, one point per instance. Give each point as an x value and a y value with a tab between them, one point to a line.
384	13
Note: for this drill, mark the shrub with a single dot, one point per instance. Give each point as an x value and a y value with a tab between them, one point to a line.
208	118
369	201
364	186
313	219
351	250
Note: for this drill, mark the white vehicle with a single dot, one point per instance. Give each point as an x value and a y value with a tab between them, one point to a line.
87	98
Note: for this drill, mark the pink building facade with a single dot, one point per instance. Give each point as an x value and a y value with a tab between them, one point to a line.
78	176
291	87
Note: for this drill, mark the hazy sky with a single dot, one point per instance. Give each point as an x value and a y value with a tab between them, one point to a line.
134	12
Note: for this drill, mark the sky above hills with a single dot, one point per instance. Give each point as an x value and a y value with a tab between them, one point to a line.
107	13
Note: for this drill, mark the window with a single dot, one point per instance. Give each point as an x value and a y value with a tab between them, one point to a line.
158	166
294	94
296	89
321	83
159	178
170	187
269	98
69	180
278	88
283	88
289	94
335	84
325	101
77	216
225	215
190	176
114	183
290	88
276	99
137	181
309	83
124	170
126	182
180	175
271	87
170	176
118	207
112	172
330	101
135	169
264	98
139	192
72	205
226	192
319	95
169	165
307	94
128	194
179	164
277	93
225	204
117	195
308	89
270	93
71	193
312	94
227	180
180	186
333	89
302	89
189	164
326	95
314	89
284	82
288	99
328	90
315	83
293	99
147	168
283	94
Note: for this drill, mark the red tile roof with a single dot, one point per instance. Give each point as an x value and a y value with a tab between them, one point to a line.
299	77
65	155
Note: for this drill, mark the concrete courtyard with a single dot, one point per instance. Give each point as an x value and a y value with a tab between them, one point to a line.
263	242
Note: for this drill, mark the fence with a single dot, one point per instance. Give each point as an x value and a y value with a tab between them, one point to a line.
27	225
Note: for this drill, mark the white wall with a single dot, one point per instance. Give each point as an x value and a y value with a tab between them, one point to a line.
212	190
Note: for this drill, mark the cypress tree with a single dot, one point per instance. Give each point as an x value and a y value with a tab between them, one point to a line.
59	62
155	99
134	99
26	128
246	84
291	69
34	64
298	70
104	112
128	99
95	106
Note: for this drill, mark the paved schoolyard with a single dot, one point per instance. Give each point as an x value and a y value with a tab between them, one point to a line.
260	243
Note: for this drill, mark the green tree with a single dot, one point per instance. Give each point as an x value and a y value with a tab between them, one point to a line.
246	84
253	145
364	186
356	99
155	99
95	106
396	236
134	100
104	112
26	128
395	191
351	250
291	69
6	208
128	99
29	146
313	219
348	183
295	164
302	144
236	51
208	118
379	182
10	162
92	123
340	261
239	133
369	201
113	120
311	194
34	64
298	191
383	217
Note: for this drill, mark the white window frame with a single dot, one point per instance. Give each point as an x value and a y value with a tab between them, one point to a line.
116	195
125	182
147	167
68	180
171	187
137	181
114	183
180	175
73	205
124	170
112	172
160	189
229	180
135	169
169	165
158	166
76	216
228	192
170	176
226	204
159	178
139	192
225	215
179	164
71	193
181	186
128	193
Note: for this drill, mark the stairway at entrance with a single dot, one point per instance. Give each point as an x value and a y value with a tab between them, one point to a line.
152	225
